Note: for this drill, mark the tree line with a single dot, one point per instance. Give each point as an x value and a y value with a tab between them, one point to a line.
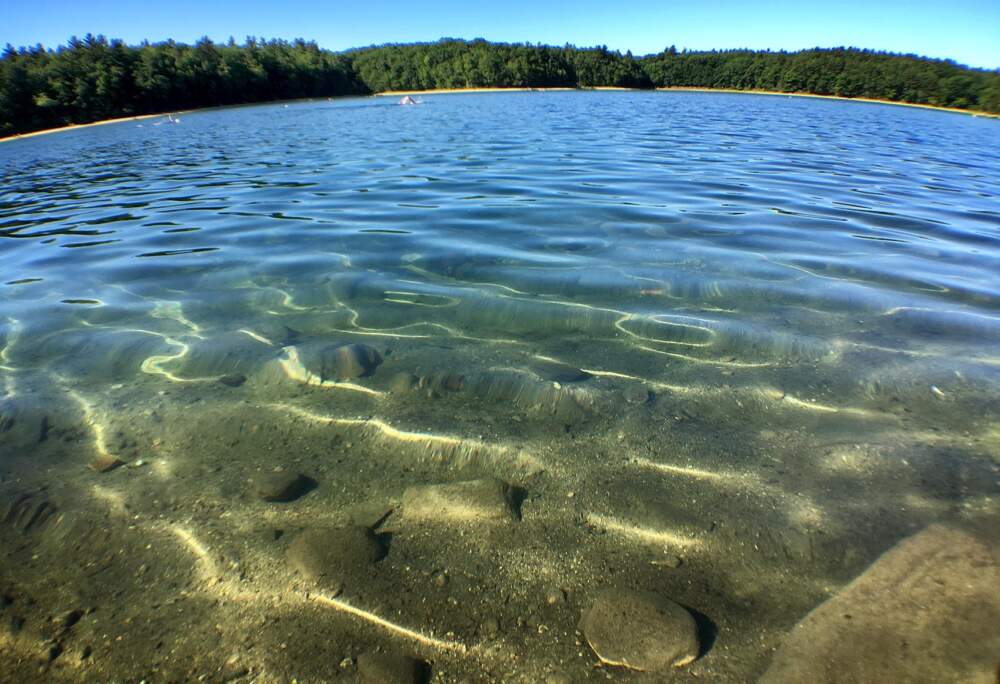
96	78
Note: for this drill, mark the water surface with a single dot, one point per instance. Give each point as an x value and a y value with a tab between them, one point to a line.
755	336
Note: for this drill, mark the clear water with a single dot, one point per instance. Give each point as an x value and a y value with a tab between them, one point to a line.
756	335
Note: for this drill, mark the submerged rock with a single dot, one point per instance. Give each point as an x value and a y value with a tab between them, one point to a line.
339	362
331	555
233	379
641	631
402	383
389	668
449	382
354	361
280	486
105	463
636	394
228	356
556	371
926	611
469	501
525	391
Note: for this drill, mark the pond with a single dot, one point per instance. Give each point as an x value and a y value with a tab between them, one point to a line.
563	386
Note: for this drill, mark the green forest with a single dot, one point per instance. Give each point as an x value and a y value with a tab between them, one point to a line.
95	78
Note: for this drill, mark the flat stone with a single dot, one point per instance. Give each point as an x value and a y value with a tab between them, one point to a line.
402	383
233	379
557	371
926	611
641	631
388	668
469	501
105	463
280	486
331	555
636	394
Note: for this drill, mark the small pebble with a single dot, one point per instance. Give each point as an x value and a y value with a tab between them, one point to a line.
669	561
55	650
490	626
555	596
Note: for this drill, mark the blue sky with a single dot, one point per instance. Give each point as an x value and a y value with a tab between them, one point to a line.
967	31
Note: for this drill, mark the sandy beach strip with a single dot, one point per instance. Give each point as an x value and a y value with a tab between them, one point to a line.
73	127
456	91
460	91
737	91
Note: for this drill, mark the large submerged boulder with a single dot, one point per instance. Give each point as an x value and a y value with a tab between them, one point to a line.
928	610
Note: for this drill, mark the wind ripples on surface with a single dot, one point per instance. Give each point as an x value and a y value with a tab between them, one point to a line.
783	311
792	231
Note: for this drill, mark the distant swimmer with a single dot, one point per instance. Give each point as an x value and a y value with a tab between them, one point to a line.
407	100
170	119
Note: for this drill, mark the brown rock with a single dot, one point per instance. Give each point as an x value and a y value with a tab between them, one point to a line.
331	555
386	668
927	610
104	463
640	631
280	486
354	361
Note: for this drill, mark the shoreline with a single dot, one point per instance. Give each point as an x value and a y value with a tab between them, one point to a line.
73	127
516	89
458	91
869	100
689	89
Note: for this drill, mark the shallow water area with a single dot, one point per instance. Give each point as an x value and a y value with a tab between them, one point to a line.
287	388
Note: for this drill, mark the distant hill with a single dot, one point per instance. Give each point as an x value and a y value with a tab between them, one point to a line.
94	78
